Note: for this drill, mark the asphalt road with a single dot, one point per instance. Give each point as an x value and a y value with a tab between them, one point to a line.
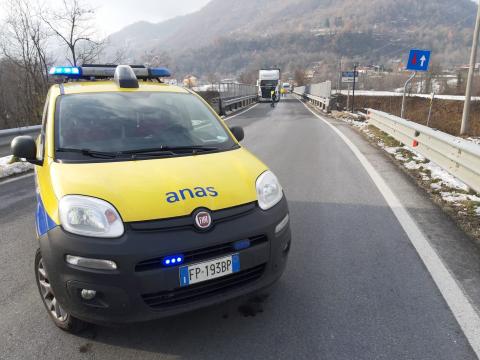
355	288
5	150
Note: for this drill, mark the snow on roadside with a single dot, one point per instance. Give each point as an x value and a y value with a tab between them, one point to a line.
7	169
451	189
456	197
445	177
475	140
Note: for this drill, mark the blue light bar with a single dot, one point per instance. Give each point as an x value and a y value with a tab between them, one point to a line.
68	71
173	260
159	72
106	72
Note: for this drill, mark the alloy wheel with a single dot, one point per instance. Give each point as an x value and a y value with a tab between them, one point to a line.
48	297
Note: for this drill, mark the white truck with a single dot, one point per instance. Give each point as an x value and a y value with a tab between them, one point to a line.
268	80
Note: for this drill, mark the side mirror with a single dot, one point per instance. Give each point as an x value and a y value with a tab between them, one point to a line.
25	147
237	131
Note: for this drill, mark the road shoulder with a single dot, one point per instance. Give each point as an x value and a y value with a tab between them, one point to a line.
458	253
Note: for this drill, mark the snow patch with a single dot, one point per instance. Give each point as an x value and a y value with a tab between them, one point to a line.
7	169
457	197
445	177
399	156
391	150
475	140
412	165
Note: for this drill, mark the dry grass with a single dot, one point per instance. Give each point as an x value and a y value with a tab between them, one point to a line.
446	114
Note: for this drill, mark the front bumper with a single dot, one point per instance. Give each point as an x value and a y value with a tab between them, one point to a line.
141	289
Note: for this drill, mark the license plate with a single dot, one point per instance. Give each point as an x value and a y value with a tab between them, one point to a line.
208	270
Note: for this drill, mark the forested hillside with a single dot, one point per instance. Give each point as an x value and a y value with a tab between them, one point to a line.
230	36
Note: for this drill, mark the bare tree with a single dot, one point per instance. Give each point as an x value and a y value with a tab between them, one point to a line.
73	25
248	77
212	78
23	46
300	77
155	58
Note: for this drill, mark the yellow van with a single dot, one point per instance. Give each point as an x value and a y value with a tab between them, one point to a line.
148	206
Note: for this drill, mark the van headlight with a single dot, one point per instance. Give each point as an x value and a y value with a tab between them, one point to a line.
88	216
269	190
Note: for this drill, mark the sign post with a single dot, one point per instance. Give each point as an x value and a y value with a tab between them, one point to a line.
349	77
348	97
418	60
431	106
353	92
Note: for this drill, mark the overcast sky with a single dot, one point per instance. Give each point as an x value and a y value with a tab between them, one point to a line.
113	15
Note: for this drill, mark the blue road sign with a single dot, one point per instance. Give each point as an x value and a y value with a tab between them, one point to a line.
347	74
418	60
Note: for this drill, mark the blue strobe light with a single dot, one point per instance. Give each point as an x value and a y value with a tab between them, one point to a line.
69	71
173	260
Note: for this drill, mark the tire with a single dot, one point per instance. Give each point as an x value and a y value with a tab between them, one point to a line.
59	316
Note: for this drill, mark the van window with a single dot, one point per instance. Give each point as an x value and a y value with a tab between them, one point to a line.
130	121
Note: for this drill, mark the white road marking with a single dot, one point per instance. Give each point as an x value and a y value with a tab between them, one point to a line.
240	113
3	182
459	304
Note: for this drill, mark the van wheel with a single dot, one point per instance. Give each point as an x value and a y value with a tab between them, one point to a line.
60	317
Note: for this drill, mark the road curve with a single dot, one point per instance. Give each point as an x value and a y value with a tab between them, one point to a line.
354	288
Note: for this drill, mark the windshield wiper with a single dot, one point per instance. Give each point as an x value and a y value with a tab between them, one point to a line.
91	153
170	149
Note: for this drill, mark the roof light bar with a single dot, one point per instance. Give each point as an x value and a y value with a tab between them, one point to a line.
125	77
159	72
69	71
98	71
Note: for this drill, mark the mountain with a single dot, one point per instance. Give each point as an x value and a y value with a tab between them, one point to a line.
228	37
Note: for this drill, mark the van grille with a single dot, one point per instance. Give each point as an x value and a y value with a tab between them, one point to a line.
200	254
195	292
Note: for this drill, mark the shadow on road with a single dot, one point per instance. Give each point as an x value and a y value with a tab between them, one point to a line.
352	276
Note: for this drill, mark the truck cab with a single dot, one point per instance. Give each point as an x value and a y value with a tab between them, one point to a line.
268	80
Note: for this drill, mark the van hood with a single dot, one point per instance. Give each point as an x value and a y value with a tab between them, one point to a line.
164	188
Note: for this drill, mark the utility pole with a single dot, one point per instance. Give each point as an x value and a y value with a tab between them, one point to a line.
339	84
471	70
348	97
431	106
353	92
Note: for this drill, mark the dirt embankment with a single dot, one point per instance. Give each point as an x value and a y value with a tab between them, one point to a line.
446	114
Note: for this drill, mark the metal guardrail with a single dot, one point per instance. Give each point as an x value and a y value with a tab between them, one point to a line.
318	94
459	157
7	135
232	96
373	93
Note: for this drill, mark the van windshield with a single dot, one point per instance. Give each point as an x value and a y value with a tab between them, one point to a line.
129	122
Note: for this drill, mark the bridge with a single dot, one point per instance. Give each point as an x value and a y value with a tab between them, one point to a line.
376	269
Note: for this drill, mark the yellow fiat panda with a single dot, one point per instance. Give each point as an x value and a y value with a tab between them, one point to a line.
148	206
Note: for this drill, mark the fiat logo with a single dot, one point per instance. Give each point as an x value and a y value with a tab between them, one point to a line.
203	220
